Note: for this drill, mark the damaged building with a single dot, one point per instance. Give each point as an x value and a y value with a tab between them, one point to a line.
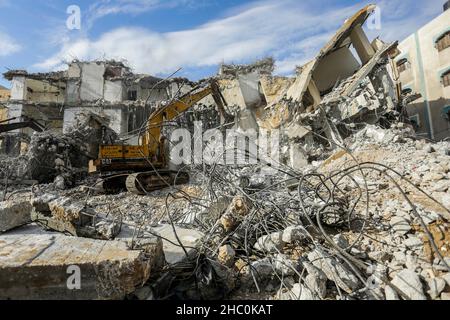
357	208
107	89
424	70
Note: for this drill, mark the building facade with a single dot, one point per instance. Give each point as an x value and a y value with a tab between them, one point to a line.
424	68
107	89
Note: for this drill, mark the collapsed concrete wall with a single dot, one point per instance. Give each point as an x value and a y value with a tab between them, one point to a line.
116	115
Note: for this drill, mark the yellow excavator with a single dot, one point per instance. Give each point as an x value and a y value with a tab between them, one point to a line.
143	168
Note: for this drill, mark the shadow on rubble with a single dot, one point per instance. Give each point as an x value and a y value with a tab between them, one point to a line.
198	279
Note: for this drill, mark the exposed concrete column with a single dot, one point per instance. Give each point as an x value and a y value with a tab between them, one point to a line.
19	88
362	44
315	93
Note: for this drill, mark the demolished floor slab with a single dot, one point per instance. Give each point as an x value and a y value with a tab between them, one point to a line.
36	265
14	214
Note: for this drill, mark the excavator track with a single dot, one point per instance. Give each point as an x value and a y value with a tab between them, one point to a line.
145	182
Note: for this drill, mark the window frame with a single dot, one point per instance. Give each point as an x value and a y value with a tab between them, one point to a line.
445	79
132	95
443	42
402	65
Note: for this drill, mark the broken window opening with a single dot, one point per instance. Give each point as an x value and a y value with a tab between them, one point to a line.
443	42
402	65
113	72
446	79
261	94
132	95
406	91
308	100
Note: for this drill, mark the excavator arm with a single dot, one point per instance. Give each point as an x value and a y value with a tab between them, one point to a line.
174	109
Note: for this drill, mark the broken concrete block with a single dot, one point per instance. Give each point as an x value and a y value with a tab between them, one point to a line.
263	268
228	222
318	285
102	230
40	203
14	214
436	286
294	233
334	270
226	255
236	211
283	265
390	293
70	210
445	296
409	284
173	252
446	278
42	265
270	243
413	242
73	217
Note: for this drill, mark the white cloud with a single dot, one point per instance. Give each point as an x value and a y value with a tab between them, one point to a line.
267	28
8	45
103	8
401	18
291	31
301	53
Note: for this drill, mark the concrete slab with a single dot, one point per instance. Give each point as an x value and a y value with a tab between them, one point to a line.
35	264
72	217
14	214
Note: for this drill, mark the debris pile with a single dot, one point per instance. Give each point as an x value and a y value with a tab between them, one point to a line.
353	227
355	207
60	158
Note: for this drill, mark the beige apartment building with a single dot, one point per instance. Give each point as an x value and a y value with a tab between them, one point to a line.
424	68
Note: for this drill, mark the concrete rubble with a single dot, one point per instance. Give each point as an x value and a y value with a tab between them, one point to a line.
34	265
356	208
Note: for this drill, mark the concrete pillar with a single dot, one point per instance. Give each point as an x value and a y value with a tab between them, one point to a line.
362	45
315	93
19	88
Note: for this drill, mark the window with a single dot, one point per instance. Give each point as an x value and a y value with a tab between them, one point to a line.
446	113
406	91
132	95
446	79
443	42
402	65
415	121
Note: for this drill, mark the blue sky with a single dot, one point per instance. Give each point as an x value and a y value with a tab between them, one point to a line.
160	36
